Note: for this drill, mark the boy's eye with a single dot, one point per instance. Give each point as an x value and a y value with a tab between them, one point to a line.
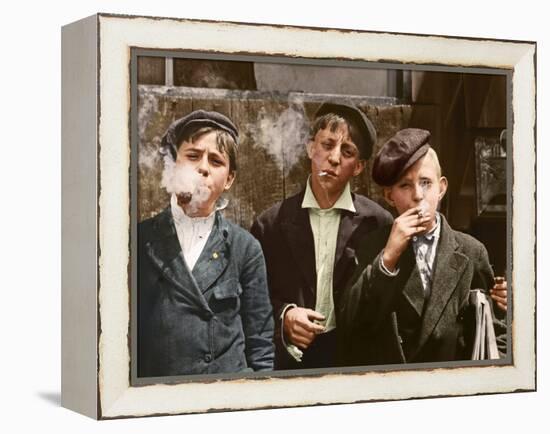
216	162
192	157
348	152
426	183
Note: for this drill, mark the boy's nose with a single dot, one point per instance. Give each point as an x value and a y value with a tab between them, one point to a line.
203	167
334	156
418	192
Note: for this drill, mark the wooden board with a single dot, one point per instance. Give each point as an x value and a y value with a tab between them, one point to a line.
273	131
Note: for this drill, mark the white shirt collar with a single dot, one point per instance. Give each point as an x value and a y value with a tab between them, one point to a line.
344	202
179	215
192	232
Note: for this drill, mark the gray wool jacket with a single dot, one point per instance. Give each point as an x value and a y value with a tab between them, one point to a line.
216	318
391	320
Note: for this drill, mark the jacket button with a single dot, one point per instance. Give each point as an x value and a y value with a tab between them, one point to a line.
207	358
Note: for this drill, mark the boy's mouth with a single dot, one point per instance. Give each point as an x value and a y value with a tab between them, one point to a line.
327	173
422	209
184	198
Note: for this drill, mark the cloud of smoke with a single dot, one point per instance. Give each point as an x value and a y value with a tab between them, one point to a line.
184	180
283	136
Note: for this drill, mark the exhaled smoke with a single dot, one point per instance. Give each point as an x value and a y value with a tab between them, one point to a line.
423	208
184	181
283	136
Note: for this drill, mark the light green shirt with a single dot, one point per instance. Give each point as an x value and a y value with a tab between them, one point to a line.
324	225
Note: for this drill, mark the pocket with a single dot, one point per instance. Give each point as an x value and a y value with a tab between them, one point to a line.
225	301
227	289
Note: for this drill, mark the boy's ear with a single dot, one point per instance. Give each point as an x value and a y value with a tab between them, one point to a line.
230	179
359	167
443	184
309	148
387	191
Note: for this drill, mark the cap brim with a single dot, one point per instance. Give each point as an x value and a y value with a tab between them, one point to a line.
417	155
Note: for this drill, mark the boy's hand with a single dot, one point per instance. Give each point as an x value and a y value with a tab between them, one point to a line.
299	327
411	222
499	293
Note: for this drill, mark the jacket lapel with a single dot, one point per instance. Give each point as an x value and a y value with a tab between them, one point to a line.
214	257
353	228
165	252
349	222
449	266
299	237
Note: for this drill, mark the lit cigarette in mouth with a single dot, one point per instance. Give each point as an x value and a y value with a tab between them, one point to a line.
184	198
323	173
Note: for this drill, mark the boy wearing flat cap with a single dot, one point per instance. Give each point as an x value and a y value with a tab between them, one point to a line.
203	303
408	301
309	239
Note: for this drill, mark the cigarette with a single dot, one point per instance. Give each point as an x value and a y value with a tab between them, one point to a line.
323	173
184	198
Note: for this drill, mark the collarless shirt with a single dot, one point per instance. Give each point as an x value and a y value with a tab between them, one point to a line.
193	232
324	225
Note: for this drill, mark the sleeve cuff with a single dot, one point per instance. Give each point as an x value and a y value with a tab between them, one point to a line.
291	349
383	268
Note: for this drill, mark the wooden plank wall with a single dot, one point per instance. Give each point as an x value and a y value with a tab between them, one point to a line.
272	163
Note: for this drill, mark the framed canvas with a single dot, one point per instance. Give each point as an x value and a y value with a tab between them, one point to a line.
126	79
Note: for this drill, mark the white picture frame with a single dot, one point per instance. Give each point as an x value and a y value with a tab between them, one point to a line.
96	378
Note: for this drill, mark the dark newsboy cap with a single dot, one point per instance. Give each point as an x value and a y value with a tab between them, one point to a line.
184	127
356	117
399	153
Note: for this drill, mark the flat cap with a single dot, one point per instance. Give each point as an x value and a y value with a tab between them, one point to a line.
357	118
182	128
399	153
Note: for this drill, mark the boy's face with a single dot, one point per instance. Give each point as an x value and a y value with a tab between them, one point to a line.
208	167
420	186
334	159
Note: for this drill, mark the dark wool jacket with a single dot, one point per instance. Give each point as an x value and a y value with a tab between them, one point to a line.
216	318
286	237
